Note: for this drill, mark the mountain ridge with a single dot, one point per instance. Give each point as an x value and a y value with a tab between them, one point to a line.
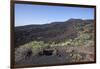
71	19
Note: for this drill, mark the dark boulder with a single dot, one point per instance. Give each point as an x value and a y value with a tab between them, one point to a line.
46	52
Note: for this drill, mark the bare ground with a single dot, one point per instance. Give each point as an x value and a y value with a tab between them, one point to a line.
66	54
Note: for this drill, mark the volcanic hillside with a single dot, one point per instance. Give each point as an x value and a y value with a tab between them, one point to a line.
55	31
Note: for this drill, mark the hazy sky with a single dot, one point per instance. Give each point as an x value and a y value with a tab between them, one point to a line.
26	14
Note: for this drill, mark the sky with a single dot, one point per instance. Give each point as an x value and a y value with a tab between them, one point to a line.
26	14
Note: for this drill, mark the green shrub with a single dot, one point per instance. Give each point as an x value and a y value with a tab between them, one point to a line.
76	57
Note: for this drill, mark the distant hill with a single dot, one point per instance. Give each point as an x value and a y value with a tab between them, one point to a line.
55	31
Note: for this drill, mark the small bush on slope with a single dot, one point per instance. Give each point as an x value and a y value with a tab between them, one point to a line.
36	47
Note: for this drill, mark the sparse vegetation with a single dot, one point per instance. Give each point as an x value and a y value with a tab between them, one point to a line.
34	42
